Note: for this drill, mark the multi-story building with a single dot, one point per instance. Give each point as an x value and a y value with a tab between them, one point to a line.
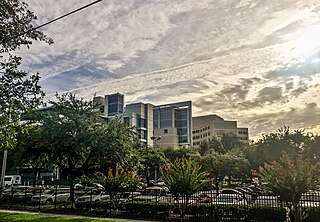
111	105
173	124
205	127
140	115
168	124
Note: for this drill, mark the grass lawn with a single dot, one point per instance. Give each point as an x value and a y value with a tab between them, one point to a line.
25	217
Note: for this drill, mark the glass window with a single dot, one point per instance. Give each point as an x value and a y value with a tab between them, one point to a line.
165	118
183	139
155	119
112	108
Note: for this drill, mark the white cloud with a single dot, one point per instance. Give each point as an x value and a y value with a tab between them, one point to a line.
233	58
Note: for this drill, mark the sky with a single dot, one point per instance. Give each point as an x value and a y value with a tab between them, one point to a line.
253	61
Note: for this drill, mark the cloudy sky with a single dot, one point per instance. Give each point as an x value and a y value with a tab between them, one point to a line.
254	61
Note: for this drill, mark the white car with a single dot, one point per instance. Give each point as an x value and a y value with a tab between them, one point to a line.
80	186
92	196
154	194
229	199
52	196
310	199
267	201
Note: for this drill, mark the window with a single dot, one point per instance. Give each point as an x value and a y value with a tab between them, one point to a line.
165	130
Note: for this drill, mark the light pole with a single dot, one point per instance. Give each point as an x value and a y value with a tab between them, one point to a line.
155	139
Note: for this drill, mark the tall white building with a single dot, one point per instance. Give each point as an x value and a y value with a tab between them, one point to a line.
205	127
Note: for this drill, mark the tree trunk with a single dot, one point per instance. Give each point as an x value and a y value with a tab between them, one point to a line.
72	188
34	172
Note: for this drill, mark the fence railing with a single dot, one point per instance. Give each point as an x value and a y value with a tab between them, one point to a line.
209	205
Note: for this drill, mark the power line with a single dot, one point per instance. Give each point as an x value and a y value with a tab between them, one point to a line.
56	19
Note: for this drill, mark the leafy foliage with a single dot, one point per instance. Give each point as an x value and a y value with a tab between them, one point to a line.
184	176
32	150
228	164
119	181
289	178
227	142
19	91
271	146
80	140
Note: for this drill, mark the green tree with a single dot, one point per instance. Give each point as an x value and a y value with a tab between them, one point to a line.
229	164
184	177
80	139
152	159
212	145
118	181
271	146
172	153
289	178
19	91
32	150
226	143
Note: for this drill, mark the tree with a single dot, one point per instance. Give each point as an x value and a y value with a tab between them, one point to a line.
19	91
117	182
230	141
226	143
271	146
212	145
184	177
289	178
32	150
81	140
229	164
152	159
177	153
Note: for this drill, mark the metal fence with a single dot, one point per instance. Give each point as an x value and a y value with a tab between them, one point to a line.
201	206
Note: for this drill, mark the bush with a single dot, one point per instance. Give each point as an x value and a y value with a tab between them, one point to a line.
313	215
149	209
267	214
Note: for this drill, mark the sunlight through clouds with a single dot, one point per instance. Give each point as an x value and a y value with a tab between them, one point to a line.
247	60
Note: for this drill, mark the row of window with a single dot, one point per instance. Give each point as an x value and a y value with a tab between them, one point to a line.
201	136
201	130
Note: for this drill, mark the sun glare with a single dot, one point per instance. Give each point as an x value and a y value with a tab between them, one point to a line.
308	43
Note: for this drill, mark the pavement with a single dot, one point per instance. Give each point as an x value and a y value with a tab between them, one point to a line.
75	216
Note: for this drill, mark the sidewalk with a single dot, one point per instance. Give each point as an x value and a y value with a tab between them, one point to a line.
76	216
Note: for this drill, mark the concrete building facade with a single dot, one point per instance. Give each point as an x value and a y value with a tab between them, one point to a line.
173	123
110	105
205	127
140	116
169	124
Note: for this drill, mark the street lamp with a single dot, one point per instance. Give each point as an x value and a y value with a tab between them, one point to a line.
155	138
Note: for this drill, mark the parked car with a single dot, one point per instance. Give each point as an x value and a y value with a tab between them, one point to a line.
310	200
267	201
91	197
128	196
198	197
154	194
80	186
229	199
53	195
25	193
247	195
